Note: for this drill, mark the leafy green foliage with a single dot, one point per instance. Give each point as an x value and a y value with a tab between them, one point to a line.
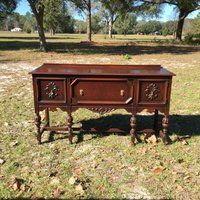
96	23
6	7
196	25
169	27
80	26
127	57
57	18
150	27
126	25
28	22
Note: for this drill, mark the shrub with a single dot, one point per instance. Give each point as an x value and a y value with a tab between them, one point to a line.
28	31
192	39
127	57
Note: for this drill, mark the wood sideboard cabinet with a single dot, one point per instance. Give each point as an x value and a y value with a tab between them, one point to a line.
101	88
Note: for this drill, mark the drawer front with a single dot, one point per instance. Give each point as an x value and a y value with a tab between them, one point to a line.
102	91
51	90
152	91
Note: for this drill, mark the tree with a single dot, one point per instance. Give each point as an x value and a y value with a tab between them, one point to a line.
80	26
140	27
196	25
111	12
57	18
185	7
28	22
7	7
149	27
126	25
96	23
37	7
117	8
85	6
169	27
53	13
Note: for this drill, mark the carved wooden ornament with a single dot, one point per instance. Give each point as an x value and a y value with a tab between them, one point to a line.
152	91
52	90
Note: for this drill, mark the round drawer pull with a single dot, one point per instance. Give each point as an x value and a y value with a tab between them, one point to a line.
81	92
122	93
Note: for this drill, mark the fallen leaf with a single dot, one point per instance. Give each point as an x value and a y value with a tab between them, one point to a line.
55	181
158	170
17	184
72	180
184	142
57	192
180	188
12	144
150	138
78	171
6	124
2	161
180	138
79	189
187	178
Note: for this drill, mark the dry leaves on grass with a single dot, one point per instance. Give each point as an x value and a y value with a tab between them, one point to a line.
79	189
158	170
182	139
55	181
18	184
72	180
80	185
2	161
152	139
58	192
14	143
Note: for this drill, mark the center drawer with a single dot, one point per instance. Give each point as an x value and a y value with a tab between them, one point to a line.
101	91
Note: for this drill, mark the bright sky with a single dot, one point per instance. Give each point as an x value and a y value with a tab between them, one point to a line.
168	13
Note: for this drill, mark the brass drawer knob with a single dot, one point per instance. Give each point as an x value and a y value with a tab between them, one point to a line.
81	92
122	93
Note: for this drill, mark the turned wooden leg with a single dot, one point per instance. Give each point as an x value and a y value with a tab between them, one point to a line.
37	125
164	135
133	129
47	116
155	126
69	125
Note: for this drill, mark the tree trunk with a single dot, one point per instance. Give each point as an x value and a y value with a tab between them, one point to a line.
39	18
89	23
110	28
179	30
42	38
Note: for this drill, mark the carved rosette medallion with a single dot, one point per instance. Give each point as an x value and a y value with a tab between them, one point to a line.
152	91
52	90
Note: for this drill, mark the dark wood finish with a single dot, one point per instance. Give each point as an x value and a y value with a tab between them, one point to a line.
101	88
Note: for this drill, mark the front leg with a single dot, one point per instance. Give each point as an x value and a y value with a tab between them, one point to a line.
37	126
133	129
69	125
164	135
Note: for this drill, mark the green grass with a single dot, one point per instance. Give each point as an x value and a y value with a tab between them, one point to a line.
106	166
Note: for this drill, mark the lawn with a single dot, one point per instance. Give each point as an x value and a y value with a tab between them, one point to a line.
100	166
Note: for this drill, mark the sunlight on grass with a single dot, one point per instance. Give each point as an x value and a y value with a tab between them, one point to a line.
103	166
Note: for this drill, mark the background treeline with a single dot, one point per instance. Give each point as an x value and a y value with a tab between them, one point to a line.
65	23
112	17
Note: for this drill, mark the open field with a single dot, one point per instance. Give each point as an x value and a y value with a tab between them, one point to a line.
100	166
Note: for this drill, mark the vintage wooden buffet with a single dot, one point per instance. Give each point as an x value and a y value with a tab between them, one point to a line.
101	88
